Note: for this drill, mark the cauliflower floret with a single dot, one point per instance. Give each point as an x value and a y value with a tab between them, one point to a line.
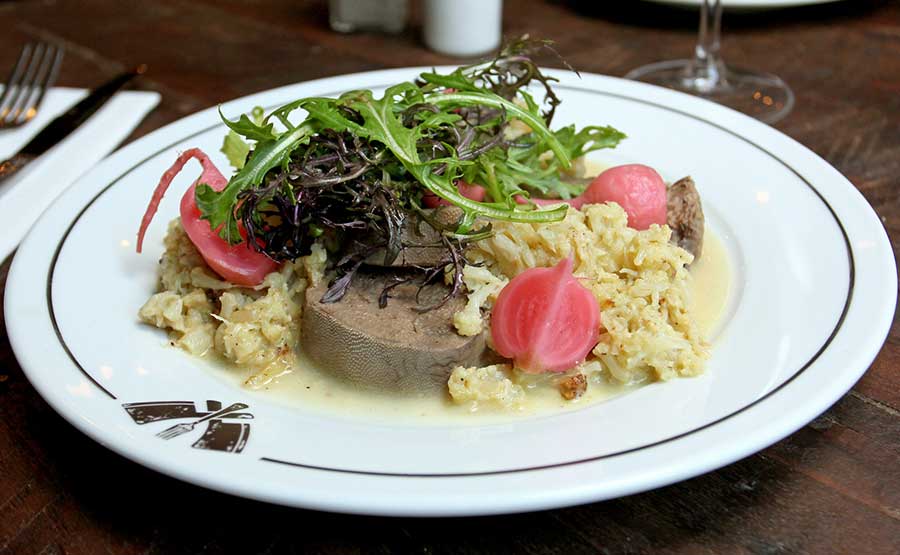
177	312
256	332
164	310
489	384
313	265
178	260
483	289
187	316
197	340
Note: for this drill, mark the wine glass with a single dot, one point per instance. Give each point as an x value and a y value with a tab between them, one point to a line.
761	95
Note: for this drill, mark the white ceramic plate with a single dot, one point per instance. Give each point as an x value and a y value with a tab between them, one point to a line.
749	4
815	286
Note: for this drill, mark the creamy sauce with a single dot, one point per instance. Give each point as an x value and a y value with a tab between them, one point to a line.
319	392
711	285
315	391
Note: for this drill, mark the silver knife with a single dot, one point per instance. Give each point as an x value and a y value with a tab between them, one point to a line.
59	128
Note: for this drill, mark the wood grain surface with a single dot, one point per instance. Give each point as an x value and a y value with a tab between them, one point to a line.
832	487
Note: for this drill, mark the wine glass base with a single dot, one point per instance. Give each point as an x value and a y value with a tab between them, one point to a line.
761	95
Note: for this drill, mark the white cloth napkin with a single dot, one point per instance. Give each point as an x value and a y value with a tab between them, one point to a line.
25	196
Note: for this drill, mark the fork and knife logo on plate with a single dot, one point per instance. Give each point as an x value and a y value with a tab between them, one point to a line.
219	435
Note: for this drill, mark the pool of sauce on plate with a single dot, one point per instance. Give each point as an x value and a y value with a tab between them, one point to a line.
318	392
711	285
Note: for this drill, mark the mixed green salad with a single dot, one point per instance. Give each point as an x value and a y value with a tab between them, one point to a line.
357	168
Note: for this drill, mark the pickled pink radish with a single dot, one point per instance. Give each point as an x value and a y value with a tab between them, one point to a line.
545	320
236	263
638	189
471	191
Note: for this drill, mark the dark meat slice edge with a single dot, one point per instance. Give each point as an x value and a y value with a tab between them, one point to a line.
422	243
685	216
392	348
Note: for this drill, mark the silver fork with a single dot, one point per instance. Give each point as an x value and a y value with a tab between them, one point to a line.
34	73
179	429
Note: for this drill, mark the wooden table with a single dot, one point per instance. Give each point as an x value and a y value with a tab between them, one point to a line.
832	487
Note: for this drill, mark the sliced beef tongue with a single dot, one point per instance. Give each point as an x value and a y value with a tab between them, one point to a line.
393	348
685	216
422	242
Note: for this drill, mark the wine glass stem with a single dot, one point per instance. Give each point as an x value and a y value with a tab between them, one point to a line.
707	63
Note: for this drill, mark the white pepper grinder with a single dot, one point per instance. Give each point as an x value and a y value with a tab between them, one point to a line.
463	28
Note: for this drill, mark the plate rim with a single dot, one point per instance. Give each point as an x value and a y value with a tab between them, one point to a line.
369	77
748	5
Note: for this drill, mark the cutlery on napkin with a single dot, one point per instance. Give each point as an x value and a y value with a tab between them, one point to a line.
28	193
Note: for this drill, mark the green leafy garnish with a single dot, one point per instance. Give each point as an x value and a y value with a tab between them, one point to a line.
234	147
356	169
219	206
